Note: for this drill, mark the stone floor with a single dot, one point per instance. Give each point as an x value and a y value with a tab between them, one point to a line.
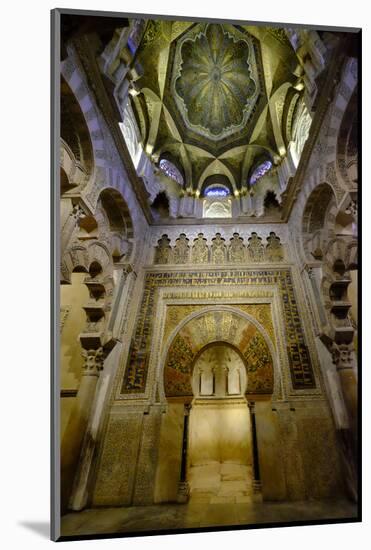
198	514
218	483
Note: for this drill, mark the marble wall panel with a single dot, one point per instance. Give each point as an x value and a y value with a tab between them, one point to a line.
169	453
321	461
147	459
116	468
269	449
221	433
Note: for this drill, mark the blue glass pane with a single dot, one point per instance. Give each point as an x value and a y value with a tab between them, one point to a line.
171	171
260	171
216	192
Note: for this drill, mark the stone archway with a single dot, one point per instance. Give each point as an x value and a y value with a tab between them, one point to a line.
220	447
218	324
232	330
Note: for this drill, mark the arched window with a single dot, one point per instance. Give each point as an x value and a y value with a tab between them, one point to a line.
216	190
171	171
259	171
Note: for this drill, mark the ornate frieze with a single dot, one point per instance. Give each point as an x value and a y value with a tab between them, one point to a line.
217	251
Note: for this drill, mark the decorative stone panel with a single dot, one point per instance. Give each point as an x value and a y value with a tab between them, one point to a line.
217	252
302	375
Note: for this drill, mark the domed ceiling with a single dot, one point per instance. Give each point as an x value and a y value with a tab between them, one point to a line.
215	98
215	83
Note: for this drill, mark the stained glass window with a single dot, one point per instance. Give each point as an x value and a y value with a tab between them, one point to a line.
171	171
216	191
260	171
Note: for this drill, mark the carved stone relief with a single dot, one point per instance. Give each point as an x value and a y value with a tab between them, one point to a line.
163	249
181	250
236	249
218	250
274	248
200	251
255	248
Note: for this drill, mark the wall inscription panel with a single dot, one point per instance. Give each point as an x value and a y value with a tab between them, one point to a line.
136	371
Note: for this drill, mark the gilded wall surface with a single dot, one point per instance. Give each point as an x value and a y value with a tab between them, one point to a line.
257	312
301	371
274	281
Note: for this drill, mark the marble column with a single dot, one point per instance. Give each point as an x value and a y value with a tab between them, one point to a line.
314	276
183	485
93	364
343	357
256	468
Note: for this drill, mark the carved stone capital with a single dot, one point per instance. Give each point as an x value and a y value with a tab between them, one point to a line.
310	273
127	268
342	356
93	361
77	212
352	209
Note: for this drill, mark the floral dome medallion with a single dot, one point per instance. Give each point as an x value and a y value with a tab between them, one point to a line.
214	84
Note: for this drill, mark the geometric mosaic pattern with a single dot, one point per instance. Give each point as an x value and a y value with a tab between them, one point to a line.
135	376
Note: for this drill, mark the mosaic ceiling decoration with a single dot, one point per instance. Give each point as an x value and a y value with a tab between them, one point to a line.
214	98
215	81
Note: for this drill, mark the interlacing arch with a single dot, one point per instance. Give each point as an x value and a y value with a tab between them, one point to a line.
94	259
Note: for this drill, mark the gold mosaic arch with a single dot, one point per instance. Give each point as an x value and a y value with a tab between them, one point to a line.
137	362
218	326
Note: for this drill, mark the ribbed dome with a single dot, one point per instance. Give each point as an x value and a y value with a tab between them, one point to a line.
215	80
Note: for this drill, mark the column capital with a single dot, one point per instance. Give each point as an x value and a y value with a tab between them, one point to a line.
342	355
77	212
93	361
310	272
352	209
